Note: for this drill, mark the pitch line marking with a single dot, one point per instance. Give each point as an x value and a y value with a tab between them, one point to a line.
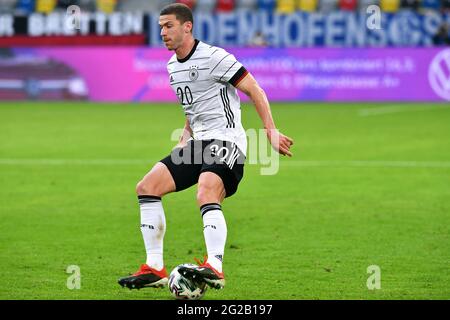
58	162
369	163
300	163
396	109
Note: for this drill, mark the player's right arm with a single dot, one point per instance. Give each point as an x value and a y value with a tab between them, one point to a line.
185	136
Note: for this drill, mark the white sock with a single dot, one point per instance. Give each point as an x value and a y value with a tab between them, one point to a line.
215	232
153	228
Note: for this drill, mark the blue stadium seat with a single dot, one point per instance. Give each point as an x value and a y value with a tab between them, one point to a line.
24	7
267	5
431	4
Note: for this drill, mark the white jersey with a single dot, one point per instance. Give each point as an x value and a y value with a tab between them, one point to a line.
204	83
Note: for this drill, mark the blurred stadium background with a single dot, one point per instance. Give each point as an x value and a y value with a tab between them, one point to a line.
85	112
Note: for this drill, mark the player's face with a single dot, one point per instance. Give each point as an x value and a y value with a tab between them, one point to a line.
173	32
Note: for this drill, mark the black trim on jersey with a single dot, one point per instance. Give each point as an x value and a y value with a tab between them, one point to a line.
191	104
214	117
238	76
227	98
187	70
196	42
174	83
226	104
205	99
227	71
219	62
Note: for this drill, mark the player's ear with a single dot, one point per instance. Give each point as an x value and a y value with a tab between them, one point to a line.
188	27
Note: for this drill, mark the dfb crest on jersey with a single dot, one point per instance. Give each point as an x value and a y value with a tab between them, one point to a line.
193	73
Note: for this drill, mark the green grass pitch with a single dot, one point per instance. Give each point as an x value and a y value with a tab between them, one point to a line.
369	184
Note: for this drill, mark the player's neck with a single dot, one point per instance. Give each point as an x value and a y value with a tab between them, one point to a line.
183	50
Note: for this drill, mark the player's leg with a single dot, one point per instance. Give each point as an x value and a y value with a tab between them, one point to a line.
155	184
210	194
158	181
217	181
210	189
165	177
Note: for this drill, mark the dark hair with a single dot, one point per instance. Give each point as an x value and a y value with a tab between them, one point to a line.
181	11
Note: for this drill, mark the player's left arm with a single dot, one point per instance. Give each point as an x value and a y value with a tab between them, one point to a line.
251	88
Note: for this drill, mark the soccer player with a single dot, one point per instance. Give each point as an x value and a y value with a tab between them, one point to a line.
211	151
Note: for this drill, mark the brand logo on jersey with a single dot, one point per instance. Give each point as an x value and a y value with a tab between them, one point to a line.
171	79
193	73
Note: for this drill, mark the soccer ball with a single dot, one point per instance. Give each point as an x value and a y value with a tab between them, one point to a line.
183	288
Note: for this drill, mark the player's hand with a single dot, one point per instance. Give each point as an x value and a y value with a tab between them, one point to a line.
281	143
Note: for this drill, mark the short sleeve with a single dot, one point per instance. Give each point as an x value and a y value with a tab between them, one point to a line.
225	68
